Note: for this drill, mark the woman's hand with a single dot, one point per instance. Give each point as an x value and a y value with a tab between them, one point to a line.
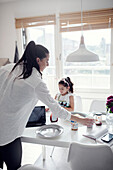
83	120
86	121
46	109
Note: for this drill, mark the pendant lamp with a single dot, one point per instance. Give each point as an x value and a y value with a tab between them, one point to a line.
82	54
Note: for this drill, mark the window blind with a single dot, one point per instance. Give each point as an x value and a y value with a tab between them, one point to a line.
94	19
35	21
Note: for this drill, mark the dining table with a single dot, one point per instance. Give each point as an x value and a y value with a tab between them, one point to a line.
63	139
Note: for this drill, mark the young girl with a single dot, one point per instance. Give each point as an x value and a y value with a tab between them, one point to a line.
65	98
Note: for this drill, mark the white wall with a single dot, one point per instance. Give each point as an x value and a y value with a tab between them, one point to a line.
26	8
7	31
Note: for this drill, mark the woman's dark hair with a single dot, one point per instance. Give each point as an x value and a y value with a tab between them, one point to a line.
66	82
28	59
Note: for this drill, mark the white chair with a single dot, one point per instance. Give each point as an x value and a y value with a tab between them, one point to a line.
30	167
98	106
78	104
90	157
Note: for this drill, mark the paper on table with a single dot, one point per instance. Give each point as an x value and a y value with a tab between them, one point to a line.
96	132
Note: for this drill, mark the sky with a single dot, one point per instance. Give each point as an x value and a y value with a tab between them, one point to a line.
91	37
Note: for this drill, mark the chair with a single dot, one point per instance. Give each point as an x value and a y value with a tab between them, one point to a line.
78	104
98	106
30	167
90	157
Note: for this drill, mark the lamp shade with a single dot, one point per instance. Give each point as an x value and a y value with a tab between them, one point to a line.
82	54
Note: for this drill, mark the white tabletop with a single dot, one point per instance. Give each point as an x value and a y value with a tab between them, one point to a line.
63	140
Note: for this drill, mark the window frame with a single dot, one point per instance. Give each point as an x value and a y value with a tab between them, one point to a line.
59	58
107	25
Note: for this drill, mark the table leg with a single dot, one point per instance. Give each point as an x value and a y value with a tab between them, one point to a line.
43	152
52	151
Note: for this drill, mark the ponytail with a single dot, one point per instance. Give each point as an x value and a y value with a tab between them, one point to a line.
70	84
28	59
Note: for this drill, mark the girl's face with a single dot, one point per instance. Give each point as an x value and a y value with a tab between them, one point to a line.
63	90
43	63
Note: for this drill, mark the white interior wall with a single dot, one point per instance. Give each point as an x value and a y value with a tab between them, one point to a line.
26	8
7	31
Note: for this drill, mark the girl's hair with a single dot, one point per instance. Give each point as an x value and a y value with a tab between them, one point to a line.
28	59
66	82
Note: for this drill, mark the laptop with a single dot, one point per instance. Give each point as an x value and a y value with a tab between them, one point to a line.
37	117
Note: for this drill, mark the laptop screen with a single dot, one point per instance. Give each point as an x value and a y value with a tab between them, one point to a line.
37	117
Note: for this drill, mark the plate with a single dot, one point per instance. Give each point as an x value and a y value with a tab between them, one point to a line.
49	131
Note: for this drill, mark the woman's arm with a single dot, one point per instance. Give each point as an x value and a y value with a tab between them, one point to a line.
43	94
47	109
82	120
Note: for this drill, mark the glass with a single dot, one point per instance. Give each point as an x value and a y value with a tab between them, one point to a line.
74	125
93	74
53	118
98	119
109	121
90	117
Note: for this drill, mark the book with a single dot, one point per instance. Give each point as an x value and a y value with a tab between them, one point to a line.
96	132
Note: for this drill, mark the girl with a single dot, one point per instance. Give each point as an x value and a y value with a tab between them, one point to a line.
65	98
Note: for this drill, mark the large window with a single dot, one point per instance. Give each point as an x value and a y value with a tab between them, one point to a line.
44	35
93	74
41	30
96	27
61	35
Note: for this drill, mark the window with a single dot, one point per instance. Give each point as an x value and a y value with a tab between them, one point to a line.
41	30
44	35
97	25
88	75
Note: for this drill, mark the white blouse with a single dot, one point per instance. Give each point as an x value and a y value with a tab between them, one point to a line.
64	100
18	98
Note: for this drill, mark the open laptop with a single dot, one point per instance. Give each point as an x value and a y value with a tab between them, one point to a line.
37	117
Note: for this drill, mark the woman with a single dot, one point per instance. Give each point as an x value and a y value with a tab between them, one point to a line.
21	86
